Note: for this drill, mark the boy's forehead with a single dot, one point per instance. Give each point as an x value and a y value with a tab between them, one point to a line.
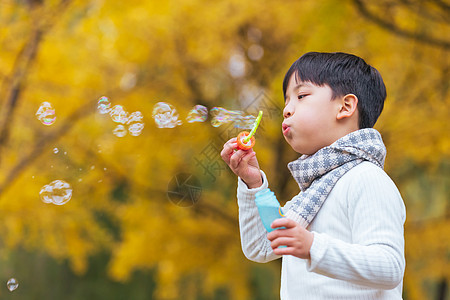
295	82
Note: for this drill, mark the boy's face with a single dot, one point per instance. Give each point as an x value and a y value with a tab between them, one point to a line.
309	116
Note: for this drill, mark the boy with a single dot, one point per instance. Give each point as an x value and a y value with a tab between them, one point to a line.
343	233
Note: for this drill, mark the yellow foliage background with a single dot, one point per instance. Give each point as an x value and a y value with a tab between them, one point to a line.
138	53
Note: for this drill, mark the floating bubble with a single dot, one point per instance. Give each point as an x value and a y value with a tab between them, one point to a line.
46	114
135	124
135	117
46	194
246	122
197	114
120	131
221	116
135	129
104	105
55	150
165	115
12	284
57	192
118	114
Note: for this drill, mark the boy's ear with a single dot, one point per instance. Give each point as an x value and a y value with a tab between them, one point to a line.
348	105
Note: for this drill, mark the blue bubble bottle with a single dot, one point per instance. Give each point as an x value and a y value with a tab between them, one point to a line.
268	207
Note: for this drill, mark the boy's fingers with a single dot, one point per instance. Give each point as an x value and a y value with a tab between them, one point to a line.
283	222
247	156
276	234
282	241
228	150
225	156
229	143
283	251
236	158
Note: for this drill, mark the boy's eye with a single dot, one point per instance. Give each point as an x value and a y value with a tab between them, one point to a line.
300	97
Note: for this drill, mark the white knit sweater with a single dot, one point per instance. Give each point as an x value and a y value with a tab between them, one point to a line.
358	247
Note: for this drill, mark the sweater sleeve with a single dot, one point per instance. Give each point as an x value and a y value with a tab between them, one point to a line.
254	242
376	215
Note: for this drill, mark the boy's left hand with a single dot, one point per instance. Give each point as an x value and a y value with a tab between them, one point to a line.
297	239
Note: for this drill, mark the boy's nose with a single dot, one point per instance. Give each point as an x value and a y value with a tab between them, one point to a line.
286	112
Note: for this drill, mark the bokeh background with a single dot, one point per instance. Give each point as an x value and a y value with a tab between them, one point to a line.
122	235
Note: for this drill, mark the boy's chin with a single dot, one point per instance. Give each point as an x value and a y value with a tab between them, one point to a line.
296	149
303	150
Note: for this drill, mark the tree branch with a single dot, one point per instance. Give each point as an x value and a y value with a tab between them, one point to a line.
23	61
419	8
397	30
443	5
22	64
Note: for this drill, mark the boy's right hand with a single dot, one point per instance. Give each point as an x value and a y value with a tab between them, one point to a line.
243	163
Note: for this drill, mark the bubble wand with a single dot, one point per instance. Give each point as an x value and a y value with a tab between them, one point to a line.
246	140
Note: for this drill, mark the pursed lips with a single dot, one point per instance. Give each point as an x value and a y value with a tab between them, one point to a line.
285	128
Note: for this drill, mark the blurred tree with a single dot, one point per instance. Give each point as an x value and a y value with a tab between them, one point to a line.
412	19
224	53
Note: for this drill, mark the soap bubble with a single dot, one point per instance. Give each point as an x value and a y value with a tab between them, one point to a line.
135	124
104	106
55	150
135	129
246	122
46	114
118	114
57	192
165	115
197	114
135	117
12	284
221	116
120	131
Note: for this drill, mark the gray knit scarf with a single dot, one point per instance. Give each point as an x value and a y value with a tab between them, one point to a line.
318	173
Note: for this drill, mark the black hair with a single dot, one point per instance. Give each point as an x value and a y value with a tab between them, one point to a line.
344	74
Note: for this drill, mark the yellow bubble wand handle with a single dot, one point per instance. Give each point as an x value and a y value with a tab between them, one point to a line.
255	126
